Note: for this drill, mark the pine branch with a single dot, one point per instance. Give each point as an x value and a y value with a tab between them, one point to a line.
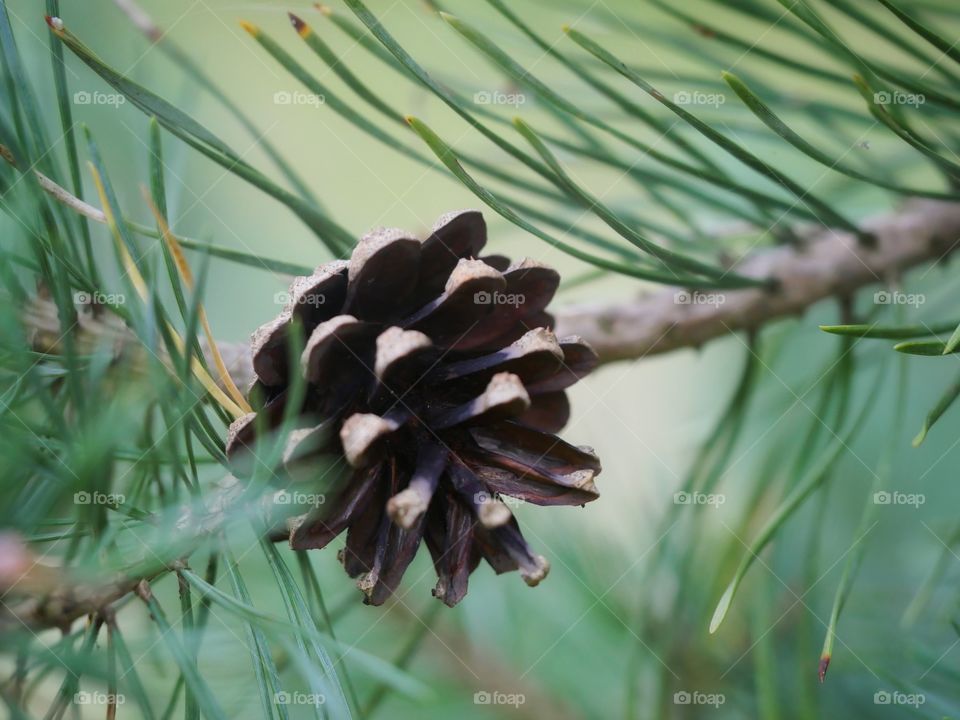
50	597
829	264
826	264
55	597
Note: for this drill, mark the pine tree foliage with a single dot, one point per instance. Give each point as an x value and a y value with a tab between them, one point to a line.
138	575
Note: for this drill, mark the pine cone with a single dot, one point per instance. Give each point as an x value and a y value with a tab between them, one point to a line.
437	377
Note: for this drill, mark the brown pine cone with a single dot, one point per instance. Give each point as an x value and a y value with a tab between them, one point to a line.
436	376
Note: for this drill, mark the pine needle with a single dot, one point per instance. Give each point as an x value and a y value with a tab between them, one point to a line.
183	267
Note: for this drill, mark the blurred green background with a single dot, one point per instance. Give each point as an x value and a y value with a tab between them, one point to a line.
573	647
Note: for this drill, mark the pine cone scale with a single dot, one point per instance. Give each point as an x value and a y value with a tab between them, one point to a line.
549	412
385	264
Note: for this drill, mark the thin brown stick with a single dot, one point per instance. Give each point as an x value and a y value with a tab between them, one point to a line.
828	264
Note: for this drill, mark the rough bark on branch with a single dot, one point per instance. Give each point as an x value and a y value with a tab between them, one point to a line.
829	264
